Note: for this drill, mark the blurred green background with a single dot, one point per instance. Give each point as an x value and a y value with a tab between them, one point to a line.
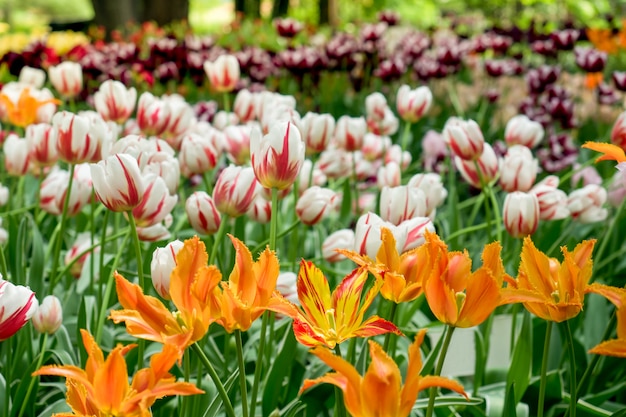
208	16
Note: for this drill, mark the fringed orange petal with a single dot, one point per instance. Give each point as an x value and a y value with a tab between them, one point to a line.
611	152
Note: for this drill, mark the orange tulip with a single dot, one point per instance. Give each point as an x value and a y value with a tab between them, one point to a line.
247	292
193	289
380	392
611	152
102	388
456	295
551	290
24	112
615	347
331	318
402	275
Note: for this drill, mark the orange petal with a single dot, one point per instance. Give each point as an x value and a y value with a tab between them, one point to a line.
314	293
243	281
615	295
611	152
615	347
375	326
481	298
380	389
410	391
266	271
114	376
388	254
346	299
438	381
535	268
189	260
441	299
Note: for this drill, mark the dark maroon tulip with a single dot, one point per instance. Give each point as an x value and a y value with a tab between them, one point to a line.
606	95
590	60
545	48
390	17
565	40
288	28
619	80
559	153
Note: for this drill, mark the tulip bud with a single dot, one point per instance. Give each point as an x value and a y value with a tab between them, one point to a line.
350	132
341	239
117	182
585	204
53	191
153	114
314	204
198	154
4	196
520	130
81	244
237	143
165	166
367	234
335	163
618	133
156	202
433	189
488	164
42	144
76	141
389	175
286	284
521	213
401	203
17	306
413	232
375	146
162	265
235	190
223	73
552	201
156	232
308	179
34	77
317	131
114	101
48	316
16	156
202	213
464	138
181	119
412	105
278	156
519	169
396	154
244	106
67	78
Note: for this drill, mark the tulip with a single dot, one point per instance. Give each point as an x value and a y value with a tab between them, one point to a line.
202	213
433	189
518	170
587	175
308	179
278	156
367	235
223	73
244	106
223	119
389	175
17	305
114	101
161	267
464	138
166	166
488	164
412	105
340	239
618	132
585	204
286	285
520	130
67	78
552	201
434	151
42	144
82	243
396	154
48	316
237	143
350	132
156	202
317	131
117	182
401	203
33	77
520	213
198	154
335	163
315	204
156	232
375	106
4	196
235	190
181	119
260	210
375	146
22	106
76	141
16	156
153	114
54	188
614	347
413	232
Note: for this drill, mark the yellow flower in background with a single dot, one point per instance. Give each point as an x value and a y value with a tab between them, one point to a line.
63	42
380	392
102	388
548	288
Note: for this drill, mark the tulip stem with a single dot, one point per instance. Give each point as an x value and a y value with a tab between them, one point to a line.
466	230
274	219
31	384
544	369
217	242
3	264
406	134
392	315
496	213
442	357
259	362
133	230
59	240
572	363
228	406
242	374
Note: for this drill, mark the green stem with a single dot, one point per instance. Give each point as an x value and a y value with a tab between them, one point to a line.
357	210
496	213
544	369
3	264
392	315
514	310
282	233
105	222
187	375
133	231
274	219
242	375
59	240
259	364
441	360
228	406
218	238
466	230
207	176
572	363
406	134
31	384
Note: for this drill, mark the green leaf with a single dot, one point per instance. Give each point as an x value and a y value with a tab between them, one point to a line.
448	401
429	363
519	372
19	272
60	406
65	347
215	405
481	360
621	413
37	260
509	401
346	202
278	373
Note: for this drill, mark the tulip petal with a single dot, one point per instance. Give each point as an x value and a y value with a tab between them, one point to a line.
441	299
113	375
314	293
189	259
375	326
615	295
410	391
441	382
380	388
534	269
482	296
615	348
611	152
